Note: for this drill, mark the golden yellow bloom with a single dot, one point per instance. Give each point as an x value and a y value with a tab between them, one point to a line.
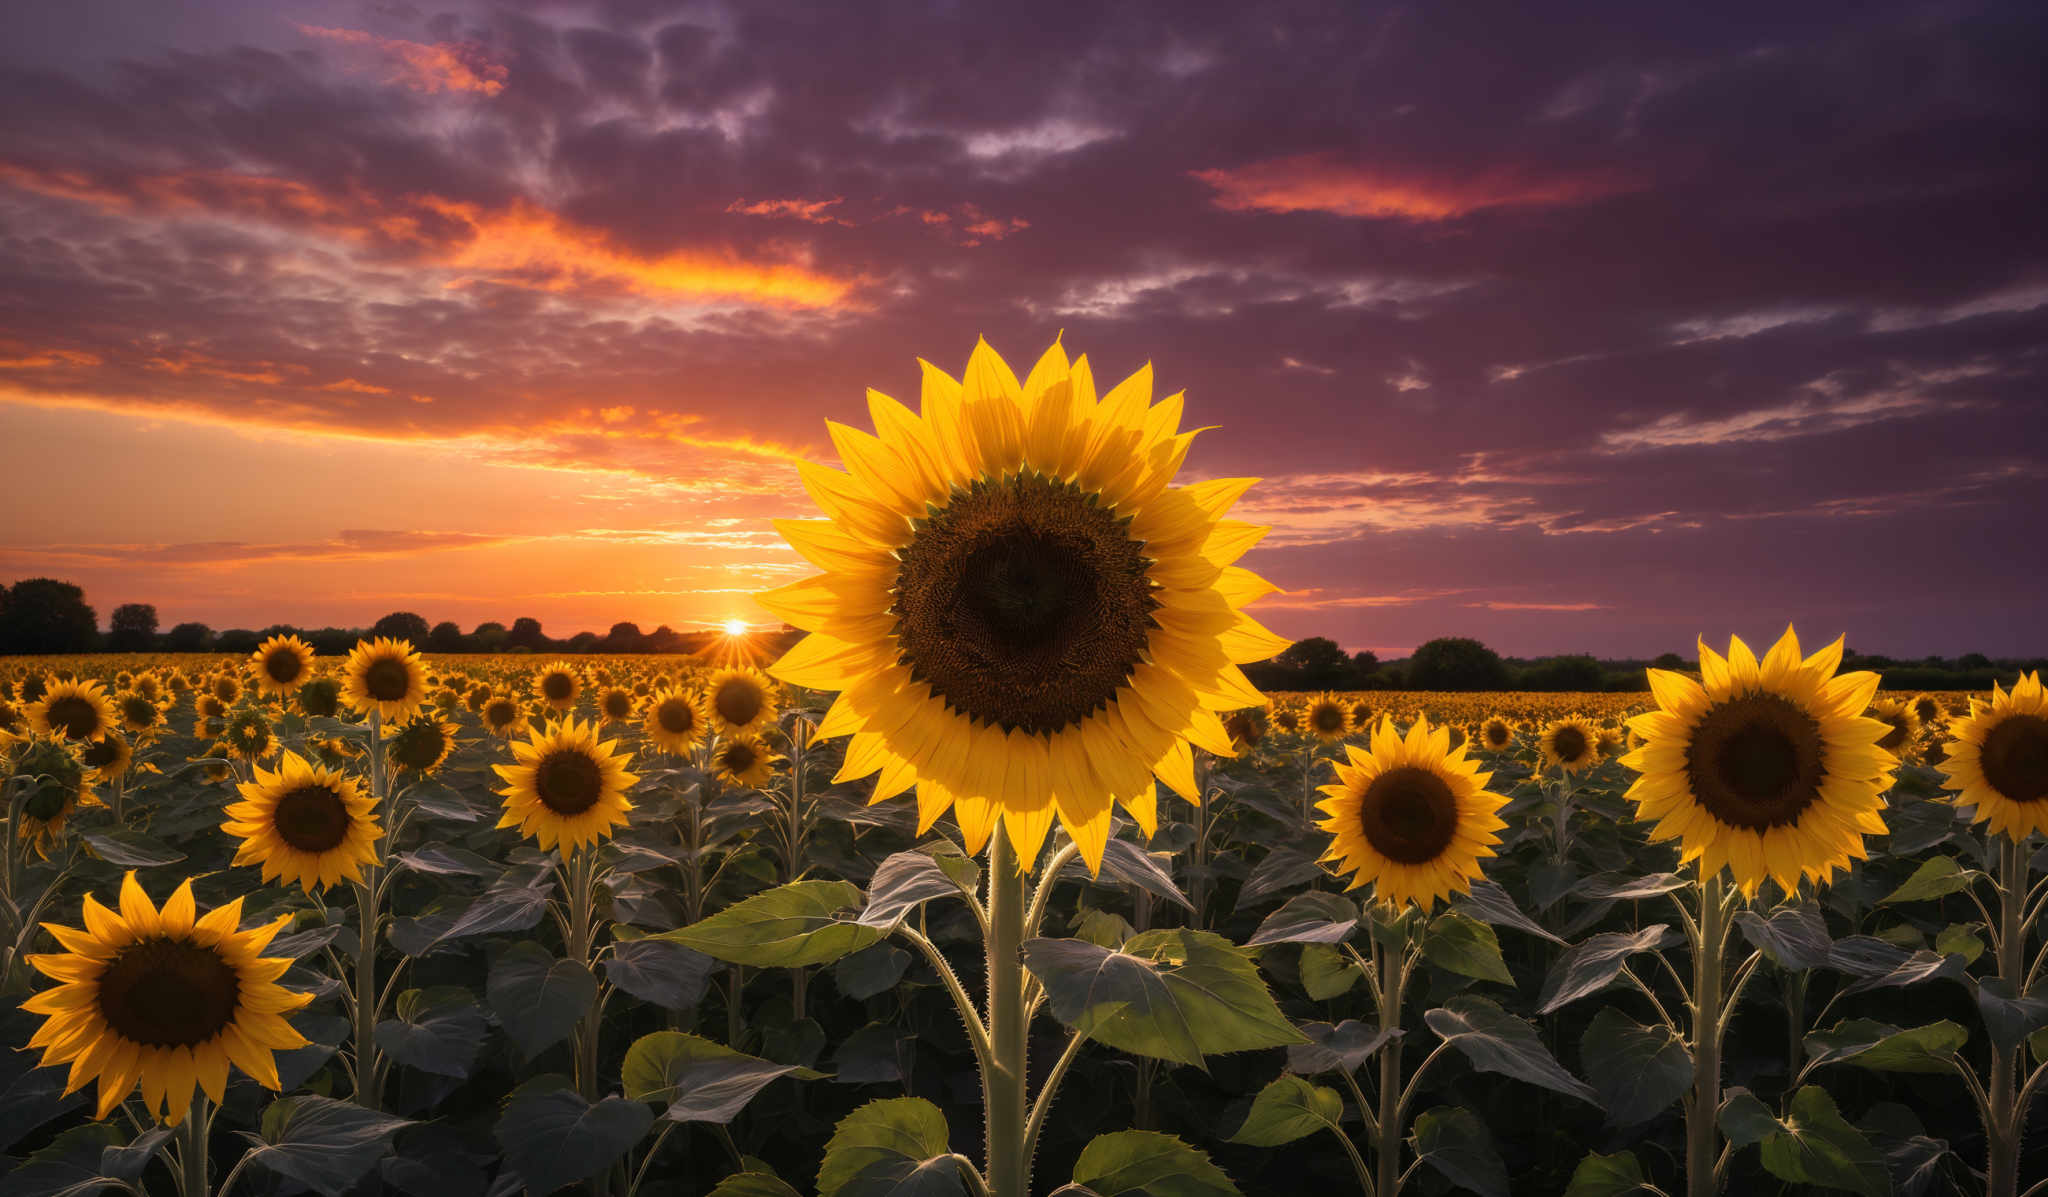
1765	769
1327	719
164	999
247	735
1496	734
1998	758
139	713
1901	724
106	758
1929	709
281	665
567	787
502	716
1412	815
305	824
1570	744
558	685
420	746
384	676
675	720
740	701
616	705
71	709
227	688
744	760
320	698
1023	617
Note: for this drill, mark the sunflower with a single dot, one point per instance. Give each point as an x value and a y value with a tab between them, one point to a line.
616	705
1496	733
1902	722
57	783
1998	758
1767	769
558	685
1023	617
138	713
11	718
106	758
227	687
1928	708
306	824
209	707
179	683
420	746
1412	815
744	761
384	676
1458	734
149	686
567	787
1570	744
675	720
247	735
1286	718
320	698
478	695
740	701
166	999
1246	727
1327	719
1361	716
503	717
73	710
1611	743
281	665
31	688
332	750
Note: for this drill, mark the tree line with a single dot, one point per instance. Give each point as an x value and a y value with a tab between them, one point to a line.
43	615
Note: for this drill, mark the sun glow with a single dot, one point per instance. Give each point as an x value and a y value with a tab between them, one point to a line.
735	627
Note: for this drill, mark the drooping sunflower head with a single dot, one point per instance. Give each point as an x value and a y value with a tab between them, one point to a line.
57	783
1410	815
11	718
1929	709
1612	743
384	676
107	758
675	719
565	786
1327	718
744	760
1998	758
1022	615
1457	733
31	687
420	746
1768	769
209	707
1570	744
306	824
247	735
616	705
226	687
1496	734
1246	727
165	998
75	710
1902	724
138	713
558	685
281	665
320	698
179	682
740	701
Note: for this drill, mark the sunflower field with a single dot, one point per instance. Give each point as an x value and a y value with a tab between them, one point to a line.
1003	881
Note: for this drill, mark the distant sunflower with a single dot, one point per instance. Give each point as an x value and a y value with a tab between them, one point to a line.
385	676
31	688
1998	758
1570	744
1612	743
306	824
1246	727
164	999
11	718
138	713
149	686
1766	769
74	710
1929	709
106	758
281	665
616	705
1458	734
741	701
1901	724
1286	718
1411	815
209	707
1496	734
320	698
675	720
420	746
566	786
558	685
1327	719
58	783
744	761
226	687
247	735
1022	616
502	716
478	695
1361	716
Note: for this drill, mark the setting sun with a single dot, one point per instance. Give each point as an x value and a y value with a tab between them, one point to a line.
735	627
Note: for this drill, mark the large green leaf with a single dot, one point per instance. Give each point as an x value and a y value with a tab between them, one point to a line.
896	1147
553	1137
1326	973
1638	1070
1343	1047
1590	967
753	1184
906	880
1452	1140
1816	1145
698	1080
1937	876
1796	936
1148	1164
1489	903
1493	1040
1465	946
1174	995
1317	916
1607	1176
538	998
1288	1109
84	1160
660	972
1883	1047
438	1030
326	1145
787	927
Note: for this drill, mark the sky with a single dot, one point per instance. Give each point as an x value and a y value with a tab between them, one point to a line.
1576	328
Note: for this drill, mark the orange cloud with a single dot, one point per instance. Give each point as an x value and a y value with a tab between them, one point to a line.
1346	187
429	68
44	358
812	211
187	361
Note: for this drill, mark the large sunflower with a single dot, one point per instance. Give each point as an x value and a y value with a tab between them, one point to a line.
558	685
305	824
281	665
1327	718
1767	769
106	758
1998	758
567	787
1570	744
72	709
1023	617
740	701
744	761
385	676
164	998
228	688
1412	815
675	720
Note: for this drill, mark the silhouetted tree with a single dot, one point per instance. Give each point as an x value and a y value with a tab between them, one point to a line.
1564	673
237	640
1456	663
445	638
1671	661
583	642
625	638
1365	664
526	634
43	615
1318	661
489	637
402	625
132	628
189	638
664	639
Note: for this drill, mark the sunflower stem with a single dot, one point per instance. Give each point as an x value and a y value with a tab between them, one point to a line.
2005	1124
367	920
1391	963
192	1180
1009	1166
1702	1136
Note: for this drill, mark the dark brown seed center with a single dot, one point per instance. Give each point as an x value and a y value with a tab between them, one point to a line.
568	781
283	666
1023	603
1327	719
76	717
676	717
738	701
740	757
1895	738
1755	762
498	712
2015	758
618	704
1409	815
387	680
557	687
312	818
169	993
1570	744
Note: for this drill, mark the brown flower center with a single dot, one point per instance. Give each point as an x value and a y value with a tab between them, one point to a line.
739	757
568	782
169	993
738	701
618	704
2015	758
387	680
312	818
1895	738
74	715
1569	743
500	712
558	687
1496	735
1755	762
1327	719
283	666
1409	814
676	717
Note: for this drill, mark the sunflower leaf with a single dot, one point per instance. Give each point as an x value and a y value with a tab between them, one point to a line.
1936	877
1288	1109
895	1147
700	1081
1489	903
554	1137
438	1030
1317	916
1465	946
659	972
1639	1070
1148	1164
1452	1140
1818	1146
1607	1176
130	849
907	880
323	1144
1344	1047
1493	1040
538	998
753	1184
1882	1047
787	927
1589	967
1796	937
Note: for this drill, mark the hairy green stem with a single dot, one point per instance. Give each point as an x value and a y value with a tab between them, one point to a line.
1702	1136
1009	1166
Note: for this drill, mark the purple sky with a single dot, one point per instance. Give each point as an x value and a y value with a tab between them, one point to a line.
1589	328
